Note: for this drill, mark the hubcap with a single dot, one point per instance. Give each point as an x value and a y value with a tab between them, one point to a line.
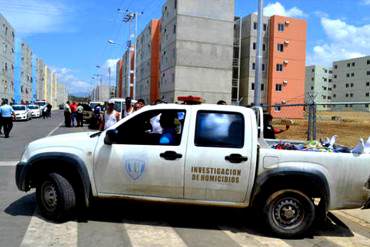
288	213
49	196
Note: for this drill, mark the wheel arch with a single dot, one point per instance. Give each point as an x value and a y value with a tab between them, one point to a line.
69	165
311	181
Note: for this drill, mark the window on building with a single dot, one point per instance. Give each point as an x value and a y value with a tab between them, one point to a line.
334	95
351	95
312	79
312	88
330	72
329	89
330	80
263	67
347	85
279	67
367	84
348	65
262	87
367	94
334	86
367	72
368	61
252	86
313	70
254	45
277	108
335	66
329	97
347	74
264	47
175	4
264	27
280	47
353	64
352	84
323	97
352	74
281	27
347	95
324	88
174	28
6	66
255	25
254	66
279	87
325	79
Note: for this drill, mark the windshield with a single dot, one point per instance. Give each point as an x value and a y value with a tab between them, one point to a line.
19	108
40	103
33	107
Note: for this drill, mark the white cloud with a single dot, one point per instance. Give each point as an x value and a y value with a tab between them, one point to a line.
345	41
365	2
74	85
111	64
35	16
278	9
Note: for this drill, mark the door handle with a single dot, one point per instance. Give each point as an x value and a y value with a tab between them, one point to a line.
170	155
236	158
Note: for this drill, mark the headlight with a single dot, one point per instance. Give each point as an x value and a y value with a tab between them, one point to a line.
25	154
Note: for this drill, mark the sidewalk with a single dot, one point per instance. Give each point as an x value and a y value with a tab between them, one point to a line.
360	216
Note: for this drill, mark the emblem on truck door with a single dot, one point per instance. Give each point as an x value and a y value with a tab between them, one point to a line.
135	168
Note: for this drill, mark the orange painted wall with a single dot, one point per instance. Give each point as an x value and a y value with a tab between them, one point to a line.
155	63
293	71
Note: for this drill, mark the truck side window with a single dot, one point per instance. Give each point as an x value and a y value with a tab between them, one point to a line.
159	127
219	129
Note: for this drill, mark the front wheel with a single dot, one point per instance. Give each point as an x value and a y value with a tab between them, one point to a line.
289	213
56	197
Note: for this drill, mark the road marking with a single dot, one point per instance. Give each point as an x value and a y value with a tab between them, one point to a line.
52	132
41	233
152	236
243	238
8	163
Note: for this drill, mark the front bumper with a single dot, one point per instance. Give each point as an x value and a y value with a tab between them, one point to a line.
21	117
21	172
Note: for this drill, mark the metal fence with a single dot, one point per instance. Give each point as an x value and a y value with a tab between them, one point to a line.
349	121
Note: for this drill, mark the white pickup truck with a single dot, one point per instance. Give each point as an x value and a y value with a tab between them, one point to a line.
197	154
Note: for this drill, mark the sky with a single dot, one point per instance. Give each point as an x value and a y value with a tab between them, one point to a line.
71	36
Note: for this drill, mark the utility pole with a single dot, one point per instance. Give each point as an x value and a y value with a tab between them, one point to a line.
258	81
130	17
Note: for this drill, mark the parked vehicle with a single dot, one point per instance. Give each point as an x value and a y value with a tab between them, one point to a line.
87	113
22	112
196	154
35	111
41	103
119	104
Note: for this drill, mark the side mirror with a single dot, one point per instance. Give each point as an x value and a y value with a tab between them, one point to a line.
111	137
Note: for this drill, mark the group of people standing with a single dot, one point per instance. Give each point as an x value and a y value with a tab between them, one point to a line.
73	114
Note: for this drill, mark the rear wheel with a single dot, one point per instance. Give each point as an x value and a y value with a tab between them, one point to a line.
56	197
289	213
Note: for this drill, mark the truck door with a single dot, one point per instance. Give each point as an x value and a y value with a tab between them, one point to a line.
148	158
219	156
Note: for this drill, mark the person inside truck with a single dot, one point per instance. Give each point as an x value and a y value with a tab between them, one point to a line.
269	132
168	124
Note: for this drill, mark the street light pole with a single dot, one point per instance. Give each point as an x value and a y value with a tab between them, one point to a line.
258	79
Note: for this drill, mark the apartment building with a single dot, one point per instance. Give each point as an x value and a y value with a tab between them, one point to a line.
62	94
7	42
40	79
101	93
248	59
148	63
319	85
195	58
23	73
351	83
119	79
128	61
283	63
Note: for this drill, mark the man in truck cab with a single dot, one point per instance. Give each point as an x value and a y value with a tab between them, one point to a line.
268	130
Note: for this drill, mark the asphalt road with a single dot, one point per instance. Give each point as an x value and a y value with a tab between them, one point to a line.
123	223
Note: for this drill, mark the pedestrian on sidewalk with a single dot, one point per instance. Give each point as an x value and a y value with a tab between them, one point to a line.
7	115
67	114
80	115
1	121
73	113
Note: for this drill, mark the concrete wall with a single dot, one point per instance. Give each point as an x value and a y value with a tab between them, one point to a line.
26	72
40	79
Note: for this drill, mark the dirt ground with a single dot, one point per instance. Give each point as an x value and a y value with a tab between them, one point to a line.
348	126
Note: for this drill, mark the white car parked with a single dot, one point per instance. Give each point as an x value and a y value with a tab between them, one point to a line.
35	110
22	112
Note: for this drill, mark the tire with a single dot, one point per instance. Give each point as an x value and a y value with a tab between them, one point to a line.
56	197
289	213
